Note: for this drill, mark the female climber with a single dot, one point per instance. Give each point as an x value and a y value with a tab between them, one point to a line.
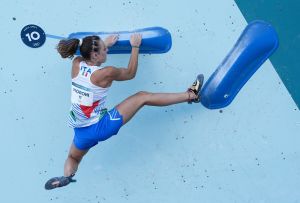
91	121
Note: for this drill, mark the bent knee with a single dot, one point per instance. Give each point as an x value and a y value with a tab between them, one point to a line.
143	93
143	96
75	157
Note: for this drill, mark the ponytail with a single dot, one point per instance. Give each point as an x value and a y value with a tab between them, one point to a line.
67	48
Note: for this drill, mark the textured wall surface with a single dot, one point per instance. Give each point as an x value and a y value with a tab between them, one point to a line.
247	152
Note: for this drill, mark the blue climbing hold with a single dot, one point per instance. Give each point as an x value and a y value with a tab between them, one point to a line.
256	44
155	40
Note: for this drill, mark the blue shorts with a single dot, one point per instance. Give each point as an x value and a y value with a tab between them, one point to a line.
107	126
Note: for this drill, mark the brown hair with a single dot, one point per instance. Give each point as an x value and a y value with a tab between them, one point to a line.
68	47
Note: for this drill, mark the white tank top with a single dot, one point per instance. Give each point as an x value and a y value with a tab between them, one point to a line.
88	100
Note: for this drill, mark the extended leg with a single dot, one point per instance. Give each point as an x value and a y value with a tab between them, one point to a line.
73	160
132	104
71	166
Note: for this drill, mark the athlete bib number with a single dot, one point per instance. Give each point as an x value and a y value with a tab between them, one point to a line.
81	95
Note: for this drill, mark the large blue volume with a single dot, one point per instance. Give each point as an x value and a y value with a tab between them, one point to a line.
255	45
155	40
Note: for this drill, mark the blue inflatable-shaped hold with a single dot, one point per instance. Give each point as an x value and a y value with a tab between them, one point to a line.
255	45
155	40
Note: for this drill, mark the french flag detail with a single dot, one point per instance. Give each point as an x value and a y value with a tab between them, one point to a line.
87	110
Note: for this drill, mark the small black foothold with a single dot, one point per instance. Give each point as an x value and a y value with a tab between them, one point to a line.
14	18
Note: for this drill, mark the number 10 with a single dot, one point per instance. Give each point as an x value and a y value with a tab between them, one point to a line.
33	36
